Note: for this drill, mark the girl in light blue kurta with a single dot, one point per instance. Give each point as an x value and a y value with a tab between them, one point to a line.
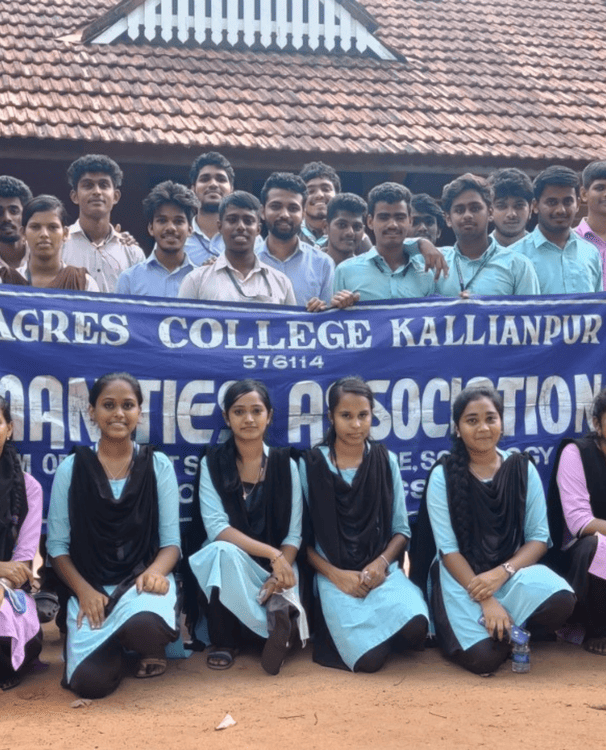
113	536
250	501
488	516
358	514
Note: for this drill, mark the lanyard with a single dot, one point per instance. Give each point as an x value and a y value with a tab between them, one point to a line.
377	261
241	291
462	284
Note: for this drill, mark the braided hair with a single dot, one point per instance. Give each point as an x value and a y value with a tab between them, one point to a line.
457	470
17	498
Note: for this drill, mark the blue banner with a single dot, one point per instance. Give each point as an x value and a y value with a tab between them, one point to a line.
545	355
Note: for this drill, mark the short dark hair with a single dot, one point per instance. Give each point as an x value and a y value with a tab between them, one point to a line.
215	158
101	383
423	203
510	183
459	185
555	175
349	202
318	169
94	163
170	192
592	172
44	203
239	199
389	192
283	181
11	187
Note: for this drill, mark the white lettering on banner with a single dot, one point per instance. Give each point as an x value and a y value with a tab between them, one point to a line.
495	330
56	326
209	333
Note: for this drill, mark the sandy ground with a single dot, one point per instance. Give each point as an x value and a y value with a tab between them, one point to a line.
417	701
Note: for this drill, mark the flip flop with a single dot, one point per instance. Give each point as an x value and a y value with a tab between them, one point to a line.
151	667
595	646
225	657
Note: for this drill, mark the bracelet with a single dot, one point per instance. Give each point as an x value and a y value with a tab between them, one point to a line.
386	561
281	554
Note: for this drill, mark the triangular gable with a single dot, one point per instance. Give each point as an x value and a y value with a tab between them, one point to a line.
308	26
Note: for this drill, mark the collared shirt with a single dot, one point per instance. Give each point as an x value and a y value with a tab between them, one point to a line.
91	284
371	276
104	263
152	279
575	269
222	282
498	271
587	233
310	270
307	235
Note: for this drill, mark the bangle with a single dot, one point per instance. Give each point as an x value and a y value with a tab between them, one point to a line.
281	554
385	560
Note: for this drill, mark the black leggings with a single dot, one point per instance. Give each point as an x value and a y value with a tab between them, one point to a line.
487	655
411	636
32	650
101	672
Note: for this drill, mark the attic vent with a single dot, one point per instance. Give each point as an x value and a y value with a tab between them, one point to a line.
308	26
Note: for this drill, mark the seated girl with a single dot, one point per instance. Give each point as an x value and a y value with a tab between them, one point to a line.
355	496
577	501
489	521
20	523
113	538
250	501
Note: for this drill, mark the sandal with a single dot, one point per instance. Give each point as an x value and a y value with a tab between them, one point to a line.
10	682
47	605
595	646
151	667
221	657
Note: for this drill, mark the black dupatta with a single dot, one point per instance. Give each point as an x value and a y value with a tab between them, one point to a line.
267	516
113	540
13	501
351	523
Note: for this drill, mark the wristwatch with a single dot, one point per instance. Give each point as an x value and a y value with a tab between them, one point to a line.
509	569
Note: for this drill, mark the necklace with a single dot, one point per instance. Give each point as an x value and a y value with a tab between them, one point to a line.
246	494
493	472
124	467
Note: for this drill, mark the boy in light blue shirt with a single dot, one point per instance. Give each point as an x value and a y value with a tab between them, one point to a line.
565	263
479	265
169	210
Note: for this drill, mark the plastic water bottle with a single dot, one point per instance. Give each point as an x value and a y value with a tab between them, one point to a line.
520	650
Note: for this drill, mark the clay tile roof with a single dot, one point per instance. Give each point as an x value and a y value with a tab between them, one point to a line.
476	79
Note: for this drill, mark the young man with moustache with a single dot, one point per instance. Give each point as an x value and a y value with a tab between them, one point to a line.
322	183
427	218
565	263
93	242
345	217
479	265
169	209
593	193
310	270
392	268
512	204
238	275
14	194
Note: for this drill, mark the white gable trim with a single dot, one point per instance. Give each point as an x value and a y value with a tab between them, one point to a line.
326	21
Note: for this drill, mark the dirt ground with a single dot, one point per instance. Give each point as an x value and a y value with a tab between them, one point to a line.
417	701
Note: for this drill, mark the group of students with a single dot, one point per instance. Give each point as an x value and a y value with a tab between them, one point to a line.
283	544
316	252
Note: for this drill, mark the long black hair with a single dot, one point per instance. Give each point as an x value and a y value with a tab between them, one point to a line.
17	498
457	465
598	409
